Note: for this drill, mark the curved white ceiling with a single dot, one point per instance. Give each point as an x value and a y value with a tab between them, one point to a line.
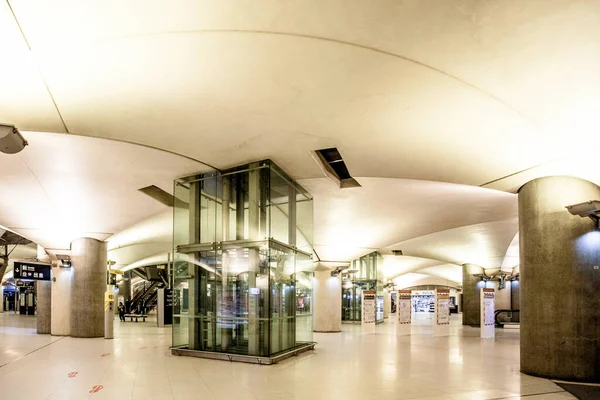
438	91
479	93
385	212
62	187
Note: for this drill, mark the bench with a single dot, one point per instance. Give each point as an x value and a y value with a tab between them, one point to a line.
136	316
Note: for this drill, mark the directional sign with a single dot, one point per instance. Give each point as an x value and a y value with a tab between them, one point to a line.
116	271
34	271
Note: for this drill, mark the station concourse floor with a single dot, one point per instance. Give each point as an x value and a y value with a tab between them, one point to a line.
350	365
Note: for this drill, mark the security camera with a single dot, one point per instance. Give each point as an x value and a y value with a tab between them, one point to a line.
11	140
585	209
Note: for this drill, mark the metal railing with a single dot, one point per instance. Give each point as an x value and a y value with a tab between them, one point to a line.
507	317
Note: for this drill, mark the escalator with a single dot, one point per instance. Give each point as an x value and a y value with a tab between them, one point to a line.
509	319
141	298
145	293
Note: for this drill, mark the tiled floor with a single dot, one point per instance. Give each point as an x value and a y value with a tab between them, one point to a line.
348	365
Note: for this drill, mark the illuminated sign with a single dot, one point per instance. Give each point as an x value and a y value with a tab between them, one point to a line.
34	271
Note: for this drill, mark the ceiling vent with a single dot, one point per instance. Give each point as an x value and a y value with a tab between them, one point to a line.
397	252
333	166
158	194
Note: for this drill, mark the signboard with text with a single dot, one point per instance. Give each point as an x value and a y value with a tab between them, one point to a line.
404	306
488	297
369	306
168	306
34	271
443	306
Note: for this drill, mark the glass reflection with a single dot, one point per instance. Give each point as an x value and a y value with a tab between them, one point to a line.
243	269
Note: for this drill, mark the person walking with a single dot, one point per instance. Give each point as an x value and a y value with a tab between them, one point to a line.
121	311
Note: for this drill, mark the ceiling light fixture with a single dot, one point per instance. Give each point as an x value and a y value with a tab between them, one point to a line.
11	140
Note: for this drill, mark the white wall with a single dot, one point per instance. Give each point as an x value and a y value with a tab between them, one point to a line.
327	292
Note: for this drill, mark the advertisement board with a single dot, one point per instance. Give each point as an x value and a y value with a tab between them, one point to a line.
404	307
369	306
488	299
443	307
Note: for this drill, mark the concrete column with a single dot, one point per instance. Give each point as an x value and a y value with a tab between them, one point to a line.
387	303
471	300
60	303
327	292
560	302
44	306
88	257
44	298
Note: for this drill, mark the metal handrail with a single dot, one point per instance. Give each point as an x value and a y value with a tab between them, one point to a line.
501	324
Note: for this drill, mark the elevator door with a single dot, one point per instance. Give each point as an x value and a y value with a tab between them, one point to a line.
352	300
351	303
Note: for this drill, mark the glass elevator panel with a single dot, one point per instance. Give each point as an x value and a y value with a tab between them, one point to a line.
242	274
363	273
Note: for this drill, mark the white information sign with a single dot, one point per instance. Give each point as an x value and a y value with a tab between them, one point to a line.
369	306
442	312
443	307
404	307
403	325
488	306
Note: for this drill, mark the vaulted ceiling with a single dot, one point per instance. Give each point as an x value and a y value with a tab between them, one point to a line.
432	105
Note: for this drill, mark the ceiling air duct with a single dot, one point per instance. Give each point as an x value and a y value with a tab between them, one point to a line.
333	166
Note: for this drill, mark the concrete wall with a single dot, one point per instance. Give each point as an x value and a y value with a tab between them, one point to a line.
327	291
502	300
470	294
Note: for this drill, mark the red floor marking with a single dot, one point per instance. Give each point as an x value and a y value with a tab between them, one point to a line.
73	374
96	389
105	354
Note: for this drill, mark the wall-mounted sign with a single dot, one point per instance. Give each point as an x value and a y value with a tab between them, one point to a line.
35	271
21	283
116	272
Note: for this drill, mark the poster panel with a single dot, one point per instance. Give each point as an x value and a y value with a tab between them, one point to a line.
488	313
443	307
404	306
369	306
